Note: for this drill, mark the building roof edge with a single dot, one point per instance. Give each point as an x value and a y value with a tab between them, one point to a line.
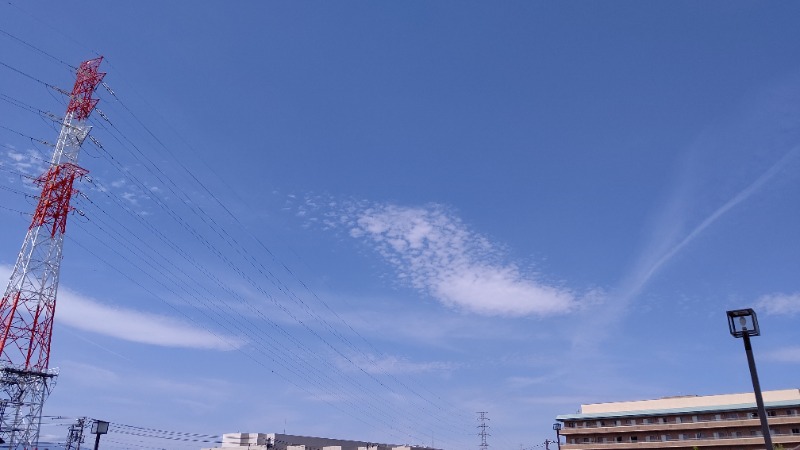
656	412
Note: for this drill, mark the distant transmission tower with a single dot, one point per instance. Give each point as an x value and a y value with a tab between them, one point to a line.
29	302
483	427
75	434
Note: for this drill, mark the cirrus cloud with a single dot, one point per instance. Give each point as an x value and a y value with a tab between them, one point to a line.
784	355
779	304
137	326
84	313
390	364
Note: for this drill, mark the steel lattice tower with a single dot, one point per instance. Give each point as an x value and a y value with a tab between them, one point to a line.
75	435
29	302
483	427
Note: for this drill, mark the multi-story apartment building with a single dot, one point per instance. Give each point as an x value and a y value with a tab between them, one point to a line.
718	422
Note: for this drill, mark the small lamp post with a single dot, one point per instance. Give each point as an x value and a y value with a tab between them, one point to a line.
99	427
743	323
557	428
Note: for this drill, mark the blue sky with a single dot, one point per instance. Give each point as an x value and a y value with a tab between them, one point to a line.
370	220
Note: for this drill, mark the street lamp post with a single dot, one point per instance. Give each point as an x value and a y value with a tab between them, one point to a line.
743	323
557	428
99	427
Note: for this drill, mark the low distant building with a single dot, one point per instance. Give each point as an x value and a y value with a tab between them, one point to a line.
277	441
718	422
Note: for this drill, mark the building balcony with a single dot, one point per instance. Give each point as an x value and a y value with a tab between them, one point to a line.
683	426
787	440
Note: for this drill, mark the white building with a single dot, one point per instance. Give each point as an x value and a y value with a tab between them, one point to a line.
278	441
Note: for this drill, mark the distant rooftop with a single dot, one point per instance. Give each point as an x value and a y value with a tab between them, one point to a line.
684	404
278	441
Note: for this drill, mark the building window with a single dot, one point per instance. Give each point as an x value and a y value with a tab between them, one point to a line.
694	418
791	412
572	441
717	416
681	437
678	419
795	430
587	440
662	420
645	421
732	416
634	438
630	422
664	437
601	423
570	424
619	438
772	413
604	440
754	415
698	435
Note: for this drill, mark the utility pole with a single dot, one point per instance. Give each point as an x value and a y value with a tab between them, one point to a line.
29	303
99	428
483	427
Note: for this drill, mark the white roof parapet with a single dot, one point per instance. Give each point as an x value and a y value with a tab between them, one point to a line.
278	441
690	401
243	439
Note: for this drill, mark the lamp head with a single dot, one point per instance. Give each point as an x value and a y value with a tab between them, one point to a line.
557	426
743	322
99	427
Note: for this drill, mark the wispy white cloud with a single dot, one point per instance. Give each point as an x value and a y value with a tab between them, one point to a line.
525	382
439	329
131	325
15	156
726	165
667	241
433	251
554	400
130	197
390	364
134	387
779	304
785	355
686	214
26	162
81	312
661	253
91	375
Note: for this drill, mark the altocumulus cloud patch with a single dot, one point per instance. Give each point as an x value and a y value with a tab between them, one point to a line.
433	251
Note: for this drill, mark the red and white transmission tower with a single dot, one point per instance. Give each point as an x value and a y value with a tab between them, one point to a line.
29	303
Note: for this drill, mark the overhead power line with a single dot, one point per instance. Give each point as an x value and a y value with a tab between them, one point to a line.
28	44
163	266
